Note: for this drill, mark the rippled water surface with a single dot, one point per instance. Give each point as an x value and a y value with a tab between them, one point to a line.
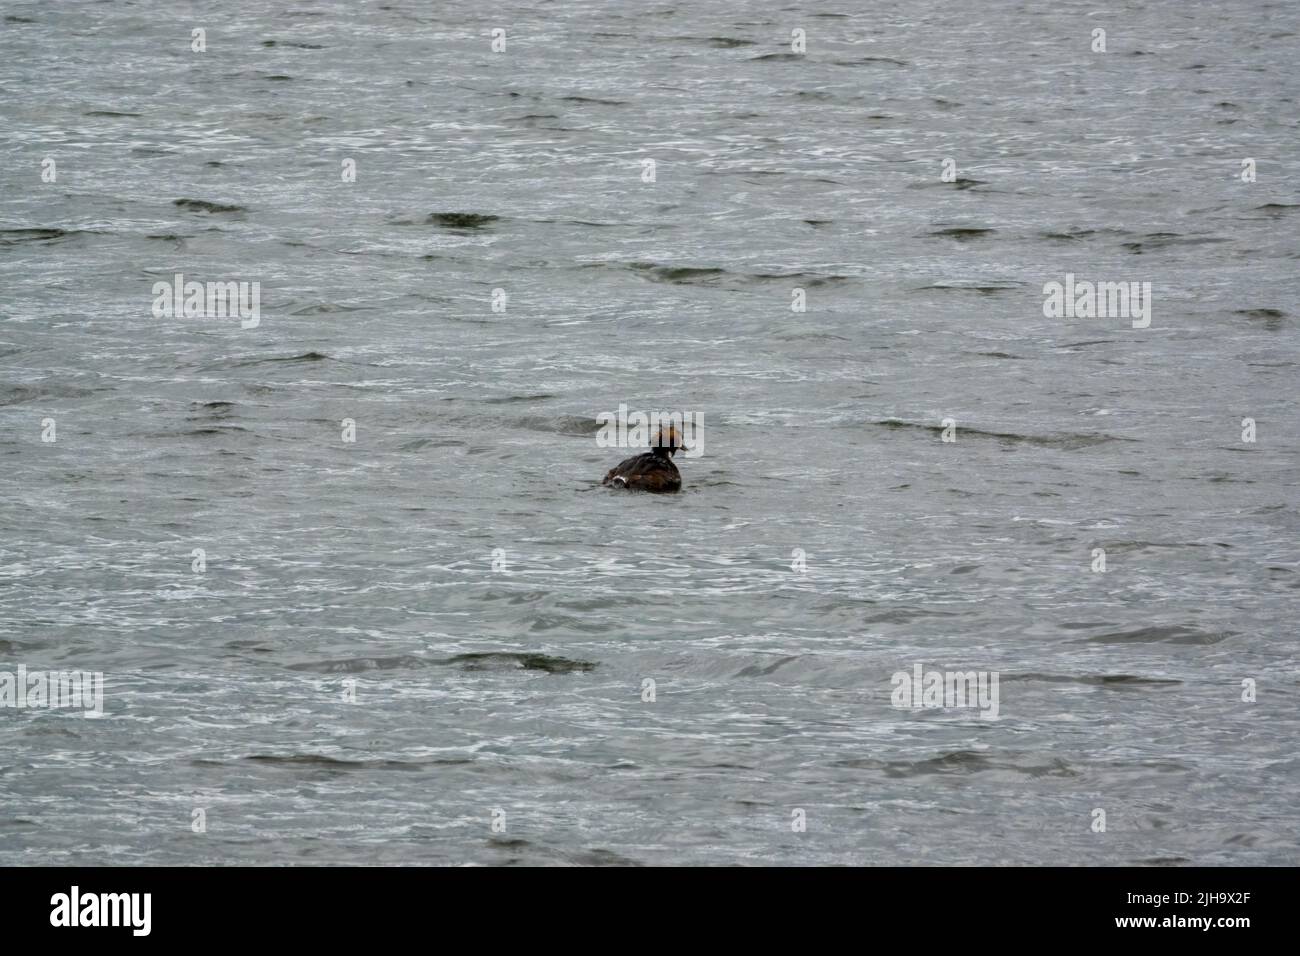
515	683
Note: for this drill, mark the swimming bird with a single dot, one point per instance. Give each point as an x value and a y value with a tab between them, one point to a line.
652	470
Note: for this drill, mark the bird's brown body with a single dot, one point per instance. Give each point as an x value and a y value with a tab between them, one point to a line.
645	472
652	470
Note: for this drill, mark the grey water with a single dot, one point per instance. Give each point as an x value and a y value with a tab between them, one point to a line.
435	643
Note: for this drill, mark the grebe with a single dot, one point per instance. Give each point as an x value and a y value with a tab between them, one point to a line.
652	470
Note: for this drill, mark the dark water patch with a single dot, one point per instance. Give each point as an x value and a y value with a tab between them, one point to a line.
681	275
1065	441
753	174
575	222
359	665
755	670
962	233
871	61
415	444
1277	208
202	205
505	660
962	763
1113	681
905	616
594	100
292	43
1163	240
807	335
1161	634
810	279
982	288
507	843
461	220
279	77
601	857
216	408
18	394
1272	320
324	308
777	56
168	237
211	430
1068	235
250	645
13	236
717	43
322	762
489	660
16	18
1079	345
303	357
575	425
711	275
512	399
999	355
712	483
110	113
1119	547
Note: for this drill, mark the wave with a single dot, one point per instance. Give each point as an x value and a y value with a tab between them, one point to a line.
461	220
11	236
1114	681
322	762
962	233
1067	441
202	205
478	661
962	762
1161	634
709	275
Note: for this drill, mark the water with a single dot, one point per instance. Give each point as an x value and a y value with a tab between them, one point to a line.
520	689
